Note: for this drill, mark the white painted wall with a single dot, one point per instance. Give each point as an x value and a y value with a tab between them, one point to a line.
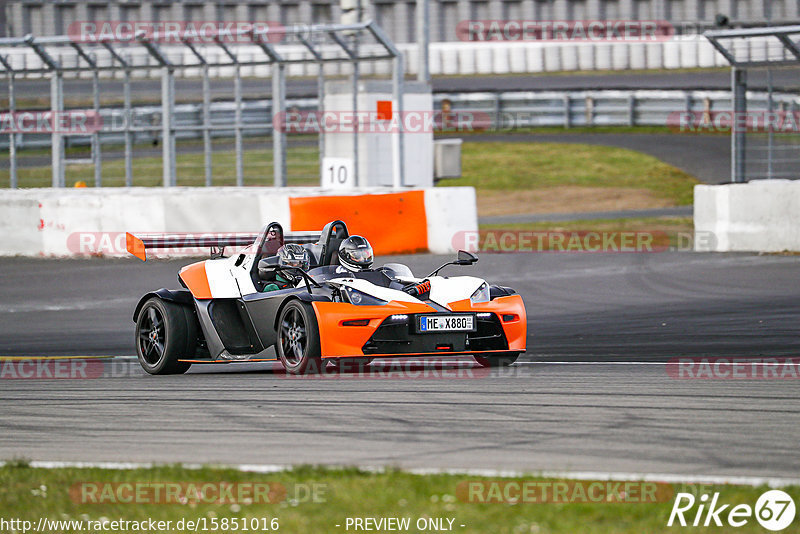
759	216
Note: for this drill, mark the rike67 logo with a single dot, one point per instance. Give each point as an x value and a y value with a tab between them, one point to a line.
774	510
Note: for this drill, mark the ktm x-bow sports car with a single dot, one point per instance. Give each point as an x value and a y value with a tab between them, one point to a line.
237	308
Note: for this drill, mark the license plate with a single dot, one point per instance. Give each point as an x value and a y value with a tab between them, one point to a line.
446	323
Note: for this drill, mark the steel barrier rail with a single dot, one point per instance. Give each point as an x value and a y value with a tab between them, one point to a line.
489	111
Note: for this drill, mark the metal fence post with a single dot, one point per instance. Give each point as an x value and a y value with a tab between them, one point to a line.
739	95
397	93
56	107
771	130
12	138
356	174
207	126
321	110
237	132
423	38
97	158
167	126
126	104
57	138
278	117
126	92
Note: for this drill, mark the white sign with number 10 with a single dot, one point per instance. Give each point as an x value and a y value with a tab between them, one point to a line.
337	173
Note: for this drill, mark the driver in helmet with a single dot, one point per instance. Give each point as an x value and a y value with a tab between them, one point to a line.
355	254
291	256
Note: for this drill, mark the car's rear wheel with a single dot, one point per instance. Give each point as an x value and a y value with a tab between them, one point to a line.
496	360
298	339
165	332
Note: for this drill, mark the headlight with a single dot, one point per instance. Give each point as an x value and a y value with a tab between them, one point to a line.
360	298
481	294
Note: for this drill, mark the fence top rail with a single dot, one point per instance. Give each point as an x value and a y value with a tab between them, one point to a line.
324	42
778	50
753	32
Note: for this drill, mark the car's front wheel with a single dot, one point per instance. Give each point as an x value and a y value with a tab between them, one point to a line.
496	360
165	332
298	339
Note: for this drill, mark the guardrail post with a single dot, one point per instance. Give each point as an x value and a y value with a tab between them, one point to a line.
589	111
567	118
631	110
497	110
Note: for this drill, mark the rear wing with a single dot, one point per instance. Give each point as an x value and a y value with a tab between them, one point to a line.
139	244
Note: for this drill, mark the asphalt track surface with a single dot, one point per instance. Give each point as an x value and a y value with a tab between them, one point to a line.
638	310
190	89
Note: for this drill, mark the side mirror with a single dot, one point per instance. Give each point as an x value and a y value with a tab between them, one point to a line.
466	258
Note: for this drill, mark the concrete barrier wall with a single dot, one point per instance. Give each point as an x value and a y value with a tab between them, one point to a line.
86	222
759	216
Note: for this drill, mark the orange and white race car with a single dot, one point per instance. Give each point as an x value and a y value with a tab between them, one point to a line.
254	306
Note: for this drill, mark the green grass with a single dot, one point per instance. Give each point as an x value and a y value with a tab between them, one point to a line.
302	169
515	166
29	494
497	166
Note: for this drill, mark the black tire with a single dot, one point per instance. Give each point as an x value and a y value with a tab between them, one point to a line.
298	344
165	332
501	359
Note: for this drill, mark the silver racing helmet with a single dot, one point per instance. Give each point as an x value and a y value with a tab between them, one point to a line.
293	255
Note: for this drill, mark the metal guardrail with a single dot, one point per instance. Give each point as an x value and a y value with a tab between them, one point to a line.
490	111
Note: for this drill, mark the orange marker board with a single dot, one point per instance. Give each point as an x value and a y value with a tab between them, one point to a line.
394	223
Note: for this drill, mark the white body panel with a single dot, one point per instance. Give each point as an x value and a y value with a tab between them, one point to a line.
443	290
220	280
447	290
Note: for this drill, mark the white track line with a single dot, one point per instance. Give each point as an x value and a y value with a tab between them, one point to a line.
672	478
